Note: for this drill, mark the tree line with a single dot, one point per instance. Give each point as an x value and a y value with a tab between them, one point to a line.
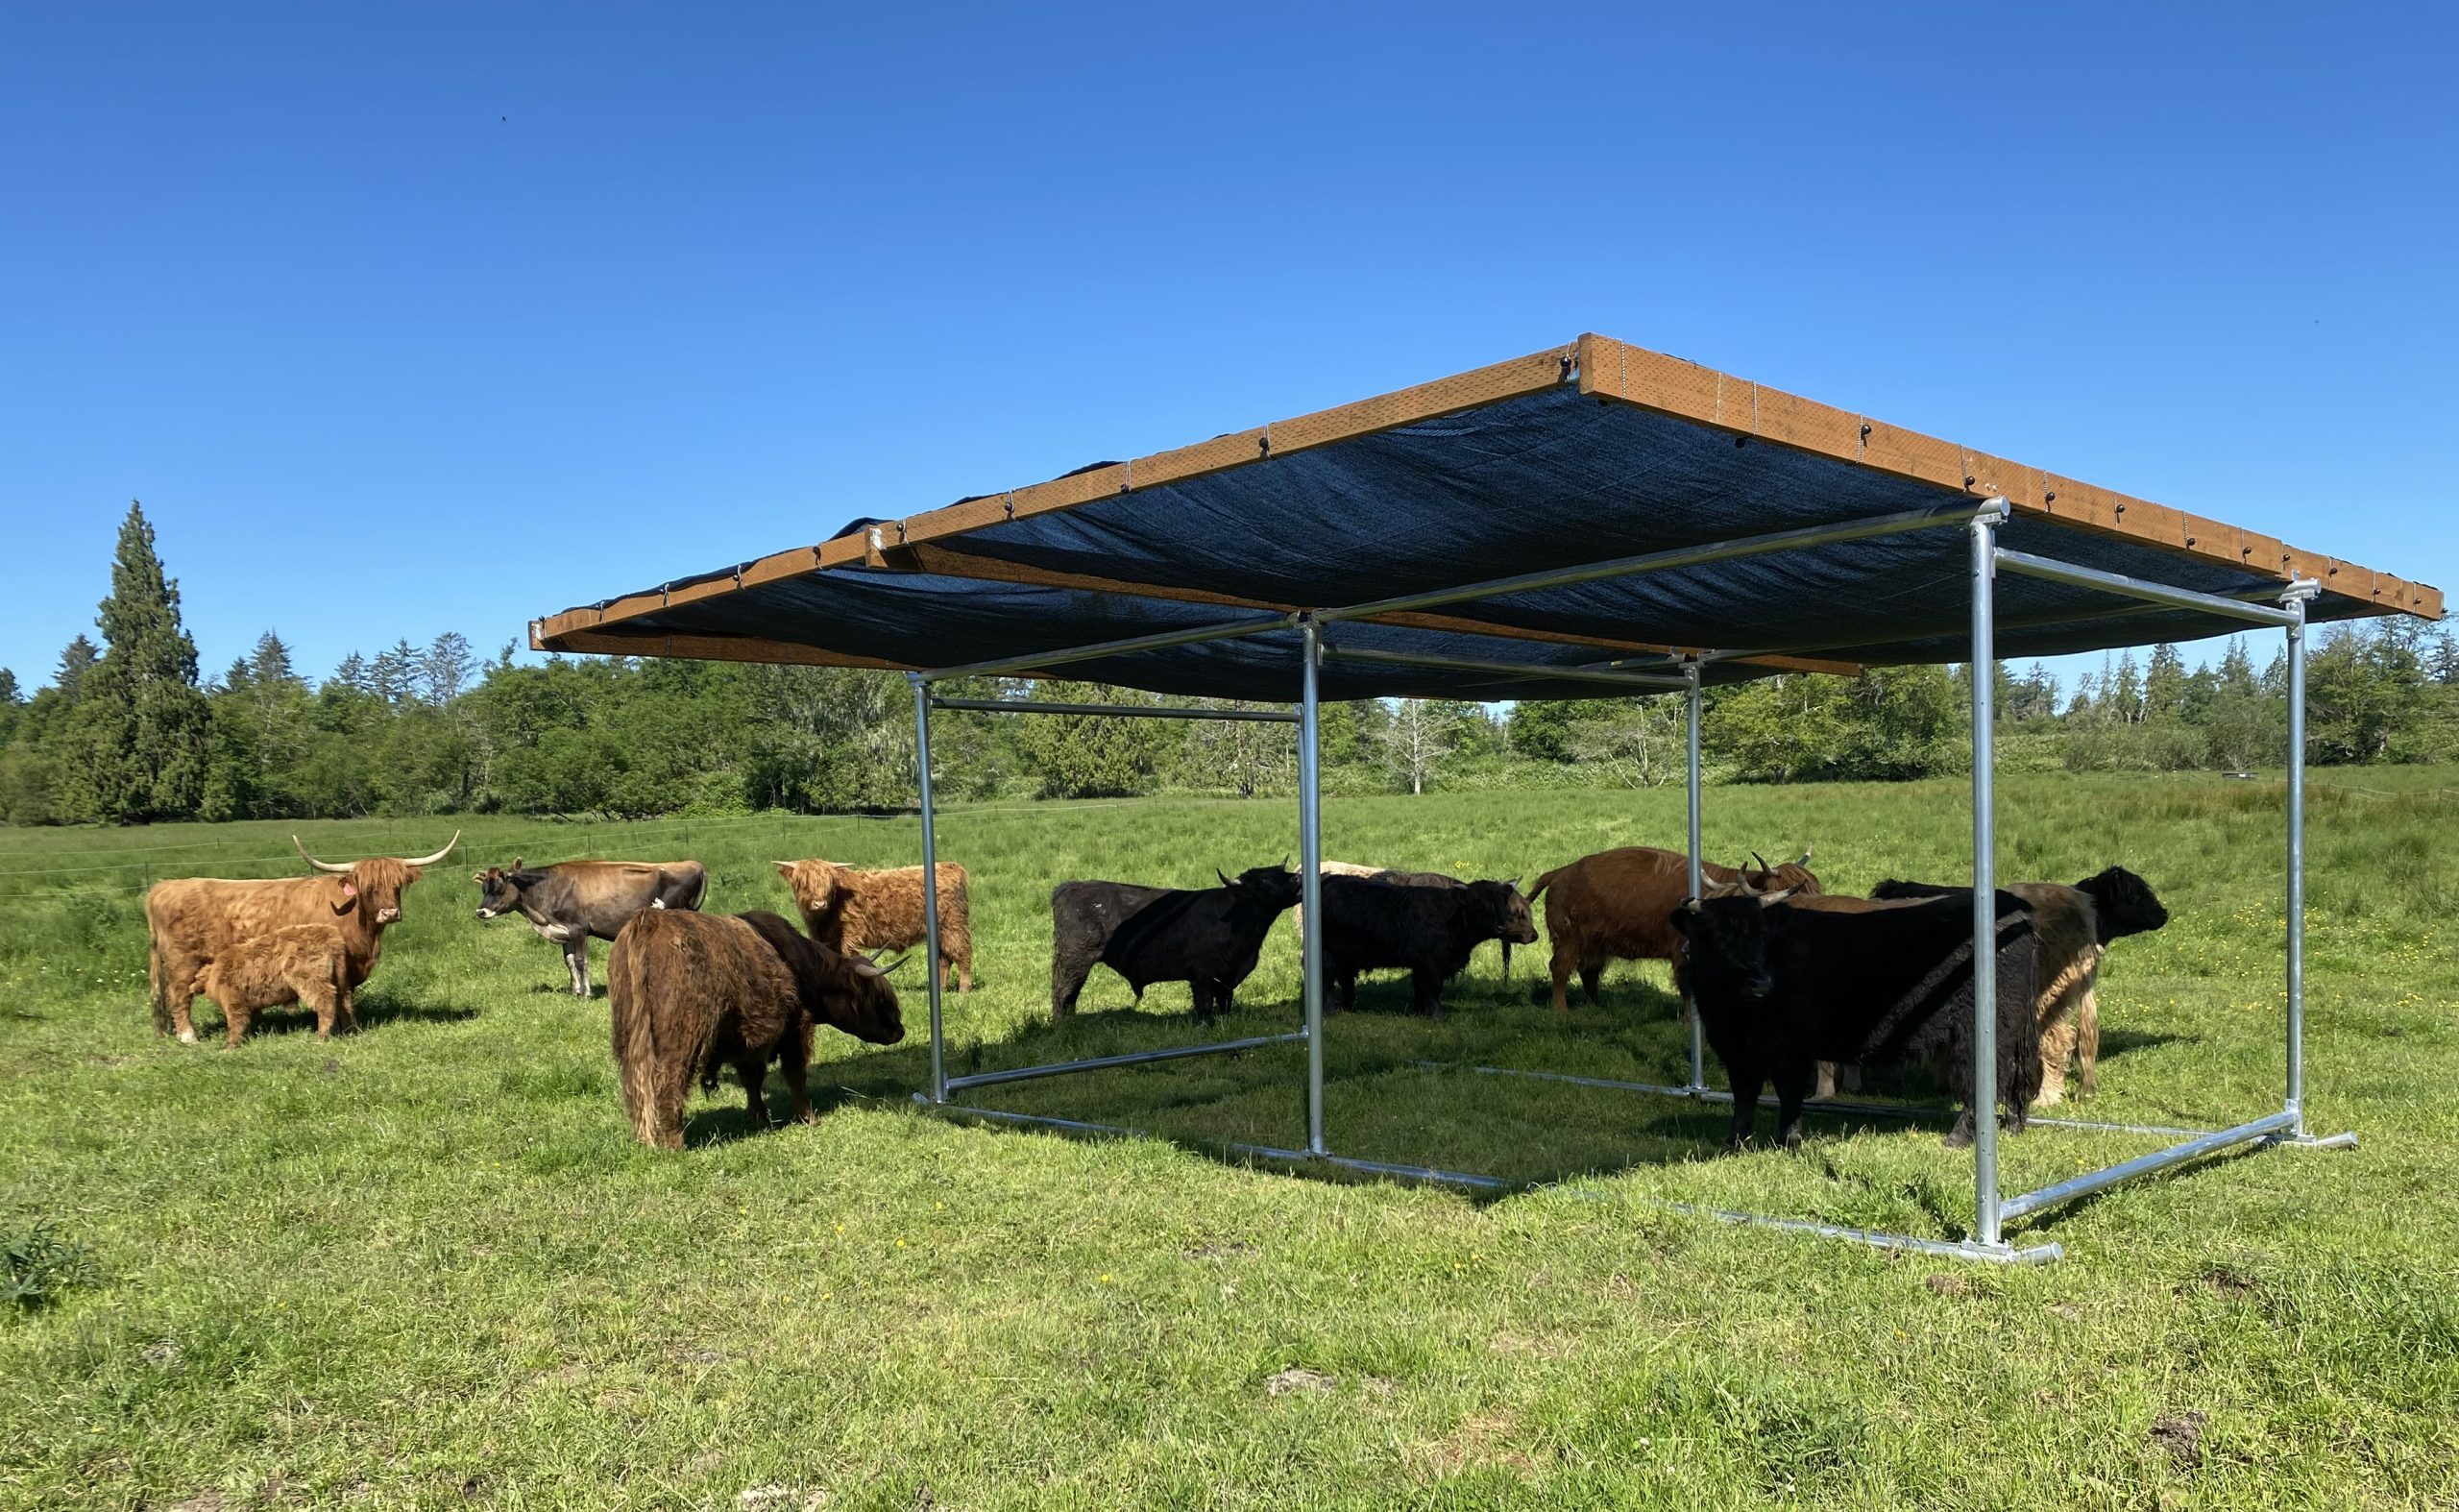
127	731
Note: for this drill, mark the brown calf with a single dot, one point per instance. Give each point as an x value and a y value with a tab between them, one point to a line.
694	993
305	963
851	910
1619	905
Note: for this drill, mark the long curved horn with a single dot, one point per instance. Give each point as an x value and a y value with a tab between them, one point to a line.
1805	861
429	860
320	866
1762	862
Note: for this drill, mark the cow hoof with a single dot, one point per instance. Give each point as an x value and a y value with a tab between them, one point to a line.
188	1037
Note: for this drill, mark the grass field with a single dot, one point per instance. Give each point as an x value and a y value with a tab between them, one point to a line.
428	1265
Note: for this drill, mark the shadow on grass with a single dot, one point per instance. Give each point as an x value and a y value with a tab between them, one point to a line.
1401	1090
2116	1042
372	1012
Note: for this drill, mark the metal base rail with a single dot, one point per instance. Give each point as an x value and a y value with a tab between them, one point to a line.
1031	1073
1949	1249
1992	1208
1835	1107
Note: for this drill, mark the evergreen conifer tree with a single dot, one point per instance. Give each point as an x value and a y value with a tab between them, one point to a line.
139	741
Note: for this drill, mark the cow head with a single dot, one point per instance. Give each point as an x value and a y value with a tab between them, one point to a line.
371	886
499	887
1788	876
1726	945
860	1002
2124	904
816	884
1506	912
1274	888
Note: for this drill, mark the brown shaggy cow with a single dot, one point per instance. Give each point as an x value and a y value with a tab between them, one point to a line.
851	910
305	964
1619	905
193	920
693	993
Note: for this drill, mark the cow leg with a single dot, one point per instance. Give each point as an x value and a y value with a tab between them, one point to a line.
1066	981
1792	1081
179	987
2056	1043
794	1063
1745	1077
234	1026
1592	980
2087	1044
753	1070
321	1001
1561	970
1426	988
577	961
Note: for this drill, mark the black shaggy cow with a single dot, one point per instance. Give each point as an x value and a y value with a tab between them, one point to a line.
1429	932
2077	924
1207	937
1781	989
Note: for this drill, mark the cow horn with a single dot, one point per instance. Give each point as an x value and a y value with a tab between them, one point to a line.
1805	861
1777	896
1762	862
320	866
1223	876
422	860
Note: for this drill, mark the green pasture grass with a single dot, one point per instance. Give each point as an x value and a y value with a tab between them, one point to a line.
428	1265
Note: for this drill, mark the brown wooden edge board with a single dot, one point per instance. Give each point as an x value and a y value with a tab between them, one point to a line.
1616	370
1610	370
705	648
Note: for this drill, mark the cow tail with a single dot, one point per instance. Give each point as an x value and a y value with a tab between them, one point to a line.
632	1017
1542	883
157	985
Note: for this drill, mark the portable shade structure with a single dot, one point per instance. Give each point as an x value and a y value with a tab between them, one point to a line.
1592	516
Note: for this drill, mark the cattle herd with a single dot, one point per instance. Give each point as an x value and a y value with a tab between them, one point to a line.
1793	986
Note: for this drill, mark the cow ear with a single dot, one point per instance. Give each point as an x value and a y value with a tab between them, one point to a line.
515	865
1685	914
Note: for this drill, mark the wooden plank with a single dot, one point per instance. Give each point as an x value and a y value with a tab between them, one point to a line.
702	647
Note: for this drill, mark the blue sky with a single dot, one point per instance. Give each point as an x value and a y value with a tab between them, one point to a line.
428	317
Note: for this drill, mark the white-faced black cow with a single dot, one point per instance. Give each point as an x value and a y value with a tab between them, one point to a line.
573	901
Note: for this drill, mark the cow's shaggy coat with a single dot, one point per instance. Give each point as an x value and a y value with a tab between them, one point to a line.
1209	937
1373	923
851	910
2077	924
1617	905
573	902
193	920
689	993
307	964
1780	989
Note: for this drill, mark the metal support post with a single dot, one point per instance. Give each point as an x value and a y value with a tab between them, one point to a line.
929	883
1691	789
2295	600
1984	877
1310	864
